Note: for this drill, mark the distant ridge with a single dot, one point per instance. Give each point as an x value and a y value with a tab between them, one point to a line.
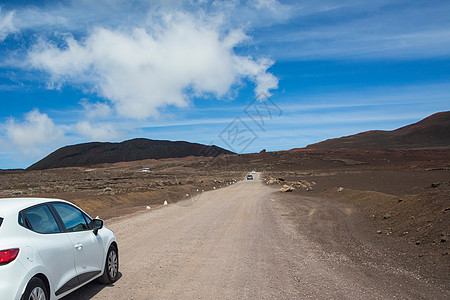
136	149
431	132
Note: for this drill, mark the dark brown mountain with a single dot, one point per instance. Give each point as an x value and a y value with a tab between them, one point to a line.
137	149
431	132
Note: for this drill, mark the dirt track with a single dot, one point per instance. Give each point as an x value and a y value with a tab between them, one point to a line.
241	242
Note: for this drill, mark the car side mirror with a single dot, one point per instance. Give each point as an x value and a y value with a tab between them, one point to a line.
97	224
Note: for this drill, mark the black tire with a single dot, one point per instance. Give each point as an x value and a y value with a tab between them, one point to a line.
111	271
36	290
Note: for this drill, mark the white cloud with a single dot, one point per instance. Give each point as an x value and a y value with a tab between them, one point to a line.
144	70
33	134
6	24
98	131
97	110
363	30
257	71
273	6
81	15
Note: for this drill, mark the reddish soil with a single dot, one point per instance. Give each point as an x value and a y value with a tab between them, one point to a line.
401	197
111	190
431	132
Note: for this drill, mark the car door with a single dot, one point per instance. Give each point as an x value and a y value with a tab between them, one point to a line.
51	245
88	246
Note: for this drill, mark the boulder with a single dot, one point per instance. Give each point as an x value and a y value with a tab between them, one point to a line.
301	184
275	180
286	188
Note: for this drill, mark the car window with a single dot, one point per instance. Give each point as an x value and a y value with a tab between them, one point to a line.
88	219
41	219
72	217
1	221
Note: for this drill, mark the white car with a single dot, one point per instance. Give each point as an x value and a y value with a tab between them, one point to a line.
50	247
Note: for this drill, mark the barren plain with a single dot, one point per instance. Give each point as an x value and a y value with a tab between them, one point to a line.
355	224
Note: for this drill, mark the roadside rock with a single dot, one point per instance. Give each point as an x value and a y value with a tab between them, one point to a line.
275	180
305	185
271	181
286	188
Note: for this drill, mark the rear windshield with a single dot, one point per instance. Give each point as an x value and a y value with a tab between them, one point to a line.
1	221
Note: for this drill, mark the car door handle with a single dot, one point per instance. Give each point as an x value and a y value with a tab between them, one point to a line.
79	246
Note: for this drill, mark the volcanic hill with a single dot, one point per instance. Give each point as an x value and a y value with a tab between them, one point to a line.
431	132
136	149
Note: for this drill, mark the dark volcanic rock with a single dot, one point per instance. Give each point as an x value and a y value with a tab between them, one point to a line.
430	132
137	149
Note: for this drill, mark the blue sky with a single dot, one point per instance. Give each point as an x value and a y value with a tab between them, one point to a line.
242	75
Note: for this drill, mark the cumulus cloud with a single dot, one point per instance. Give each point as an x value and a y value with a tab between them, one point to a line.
97	110
98	131
146	69
6	24
35	132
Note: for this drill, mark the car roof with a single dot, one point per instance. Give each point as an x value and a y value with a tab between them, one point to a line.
12	205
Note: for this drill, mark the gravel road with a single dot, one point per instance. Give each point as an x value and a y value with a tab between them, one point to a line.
241	242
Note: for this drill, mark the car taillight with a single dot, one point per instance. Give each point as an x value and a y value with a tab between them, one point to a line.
7	256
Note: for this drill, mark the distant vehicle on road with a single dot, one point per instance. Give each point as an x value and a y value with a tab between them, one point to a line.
146	170
50	247
249	177
253	172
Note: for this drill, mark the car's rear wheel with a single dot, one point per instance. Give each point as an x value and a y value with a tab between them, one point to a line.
111	271
36	290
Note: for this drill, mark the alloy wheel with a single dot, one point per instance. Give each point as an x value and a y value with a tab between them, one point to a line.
37	294
112	264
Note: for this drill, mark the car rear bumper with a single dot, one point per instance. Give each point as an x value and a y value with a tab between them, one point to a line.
12	281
